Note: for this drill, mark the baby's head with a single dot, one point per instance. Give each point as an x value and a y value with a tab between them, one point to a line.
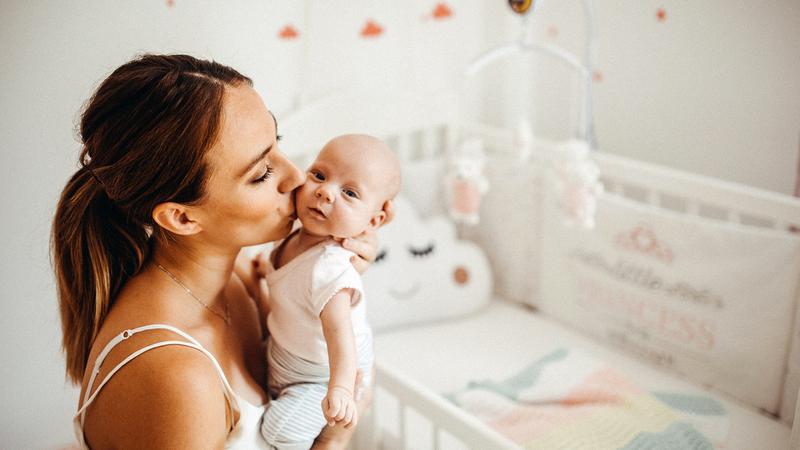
348	186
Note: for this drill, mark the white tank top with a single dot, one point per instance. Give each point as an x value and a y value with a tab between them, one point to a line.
245	433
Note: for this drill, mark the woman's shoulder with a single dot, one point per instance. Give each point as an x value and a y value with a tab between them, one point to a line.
190	406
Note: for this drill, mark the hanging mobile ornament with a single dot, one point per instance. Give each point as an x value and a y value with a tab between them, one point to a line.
574	177
465	182
520	6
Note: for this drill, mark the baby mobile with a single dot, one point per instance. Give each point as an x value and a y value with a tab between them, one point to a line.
572	175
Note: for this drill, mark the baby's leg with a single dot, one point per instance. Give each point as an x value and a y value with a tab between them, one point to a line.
294	419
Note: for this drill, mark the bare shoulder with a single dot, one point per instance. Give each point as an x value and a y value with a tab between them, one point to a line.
168	397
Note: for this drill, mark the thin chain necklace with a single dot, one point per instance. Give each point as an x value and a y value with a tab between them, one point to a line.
226	317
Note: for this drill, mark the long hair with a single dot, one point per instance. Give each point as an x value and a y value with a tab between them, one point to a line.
145	134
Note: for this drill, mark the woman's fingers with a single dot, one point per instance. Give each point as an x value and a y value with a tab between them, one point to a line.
365	246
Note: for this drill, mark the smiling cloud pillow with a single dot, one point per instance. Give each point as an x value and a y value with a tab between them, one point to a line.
423	272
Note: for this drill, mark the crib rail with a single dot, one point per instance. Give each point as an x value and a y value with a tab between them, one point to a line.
671	188
721	200
444	417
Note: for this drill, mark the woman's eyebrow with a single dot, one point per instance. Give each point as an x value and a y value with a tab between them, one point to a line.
261	156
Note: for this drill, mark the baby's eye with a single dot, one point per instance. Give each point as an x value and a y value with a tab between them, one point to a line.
318	175
350	193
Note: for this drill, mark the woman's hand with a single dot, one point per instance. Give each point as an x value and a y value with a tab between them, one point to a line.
365	245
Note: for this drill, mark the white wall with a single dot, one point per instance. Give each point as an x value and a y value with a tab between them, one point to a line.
55	53
714	89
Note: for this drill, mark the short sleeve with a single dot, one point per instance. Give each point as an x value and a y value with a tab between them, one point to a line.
332	273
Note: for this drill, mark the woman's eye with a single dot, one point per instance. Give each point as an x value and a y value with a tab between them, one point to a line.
421	252
267	174
351	193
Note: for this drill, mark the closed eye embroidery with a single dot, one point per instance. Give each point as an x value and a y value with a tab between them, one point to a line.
421	252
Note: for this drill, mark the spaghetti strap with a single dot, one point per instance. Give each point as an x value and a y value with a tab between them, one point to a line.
91	394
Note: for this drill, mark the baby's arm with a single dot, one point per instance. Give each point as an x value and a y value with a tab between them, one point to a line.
339	405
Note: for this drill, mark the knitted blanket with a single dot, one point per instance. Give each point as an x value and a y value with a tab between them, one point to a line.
568	400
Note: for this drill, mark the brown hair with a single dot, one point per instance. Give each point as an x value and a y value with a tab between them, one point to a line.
145	133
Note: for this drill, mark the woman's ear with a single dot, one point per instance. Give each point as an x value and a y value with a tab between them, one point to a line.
176	218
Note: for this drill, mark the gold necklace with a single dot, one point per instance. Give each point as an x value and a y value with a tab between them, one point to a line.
226	317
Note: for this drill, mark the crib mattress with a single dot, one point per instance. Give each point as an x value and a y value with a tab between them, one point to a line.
505	336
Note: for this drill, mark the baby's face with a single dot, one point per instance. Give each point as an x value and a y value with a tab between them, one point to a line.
346	188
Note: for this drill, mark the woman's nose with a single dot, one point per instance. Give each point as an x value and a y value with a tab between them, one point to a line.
324	192
292	176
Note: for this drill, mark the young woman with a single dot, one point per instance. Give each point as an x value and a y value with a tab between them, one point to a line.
180	168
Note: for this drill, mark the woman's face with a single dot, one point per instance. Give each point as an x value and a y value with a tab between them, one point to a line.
249	190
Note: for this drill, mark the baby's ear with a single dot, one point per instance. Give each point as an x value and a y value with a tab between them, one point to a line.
377	220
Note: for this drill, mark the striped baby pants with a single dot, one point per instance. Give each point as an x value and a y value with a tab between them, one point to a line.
293	417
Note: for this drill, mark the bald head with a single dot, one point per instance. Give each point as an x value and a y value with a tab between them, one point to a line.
371	155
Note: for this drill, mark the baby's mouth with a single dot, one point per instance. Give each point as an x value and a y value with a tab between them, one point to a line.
316	212
403	295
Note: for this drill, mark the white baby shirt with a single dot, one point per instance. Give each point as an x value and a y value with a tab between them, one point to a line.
300	290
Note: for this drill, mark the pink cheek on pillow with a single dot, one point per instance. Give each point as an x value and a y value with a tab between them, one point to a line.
461	275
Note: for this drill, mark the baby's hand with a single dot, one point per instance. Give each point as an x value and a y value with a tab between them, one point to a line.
261	265
339	407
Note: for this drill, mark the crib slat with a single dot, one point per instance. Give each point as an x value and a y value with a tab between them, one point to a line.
653	197
610	186
449	139
402	424
404	144
439	411
430	142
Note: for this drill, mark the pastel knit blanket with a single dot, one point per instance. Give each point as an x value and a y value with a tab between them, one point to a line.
568	400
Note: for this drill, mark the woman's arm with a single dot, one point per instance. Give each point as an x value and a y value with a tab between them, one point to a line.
339	404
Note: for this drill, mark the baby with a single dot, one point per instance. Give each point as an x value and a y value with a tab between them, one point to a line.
319	335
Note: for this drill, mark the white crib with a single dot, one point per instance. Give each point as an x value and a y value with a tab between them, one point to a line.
409	410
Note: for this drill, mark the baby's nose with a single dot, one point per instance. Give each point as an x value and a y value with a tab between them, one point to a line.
325	194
